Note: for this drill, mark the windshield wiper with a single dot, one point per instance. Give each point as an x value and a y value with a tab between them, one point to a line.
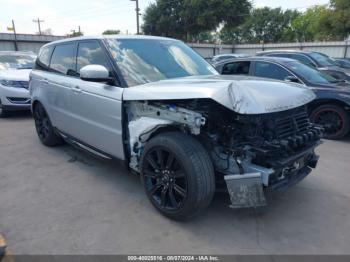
24	68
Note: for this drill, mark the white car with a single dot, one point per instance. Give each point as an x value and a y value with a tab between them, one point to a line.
15	68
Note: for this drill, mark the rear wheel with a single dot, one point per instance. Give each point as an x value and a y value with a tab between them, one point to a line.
44	128
178	175
333	118
3	112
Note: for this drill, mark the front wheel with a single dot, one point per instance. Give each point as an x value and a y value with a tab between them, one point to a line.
334	119
178	175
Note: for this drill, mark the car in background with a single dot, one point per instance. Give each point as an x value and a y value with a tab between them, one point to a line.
15	68
157	105
331	107
315	59
343	62
222	57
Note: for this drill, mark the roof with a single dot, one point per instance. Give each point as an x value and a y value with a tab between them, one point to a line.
259	58
233	54
110	37
285	51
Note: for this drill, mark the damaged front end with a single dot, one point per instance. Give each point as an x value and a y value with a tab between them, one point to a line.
250	152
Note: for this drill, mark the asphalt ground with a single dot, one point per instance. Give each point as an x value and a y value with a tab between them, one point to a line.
64	201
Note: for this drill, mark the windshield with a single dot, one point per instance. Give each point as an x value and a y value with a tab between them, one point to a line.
147	60
323	60
310	74
16	62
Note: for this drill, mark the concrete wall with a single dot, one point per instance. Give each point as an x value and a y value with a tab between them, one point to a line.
25	42
333	49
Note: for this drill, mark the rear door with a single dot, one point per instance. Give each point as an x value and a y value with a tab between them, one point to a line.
96	108
62	70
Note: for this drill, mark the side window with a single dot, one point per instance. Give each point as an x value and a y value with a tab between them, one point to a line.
269	70
63	59
43	60
91	53
302	58
236	68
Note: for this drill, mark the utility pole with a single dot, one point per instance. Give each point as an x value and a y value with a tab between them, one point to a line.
137	16
38	21
14	32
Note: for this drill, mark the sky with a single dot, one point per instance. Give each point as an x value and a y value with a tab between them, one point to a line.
94	16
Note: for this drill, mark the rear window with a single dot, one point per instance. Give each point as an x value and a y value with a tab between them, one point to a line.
236	68
43	59
64	60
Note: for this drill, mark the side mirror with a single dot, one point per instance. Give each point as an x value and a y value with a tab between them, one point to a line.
292	79
95	73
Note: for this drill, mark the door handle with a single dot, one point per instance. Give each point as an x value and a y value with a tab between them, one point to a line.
76	89
45	81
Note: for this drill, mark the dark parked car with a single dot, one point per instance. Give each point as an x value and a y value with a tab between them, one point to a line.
330	108
343	62
315	59
222	57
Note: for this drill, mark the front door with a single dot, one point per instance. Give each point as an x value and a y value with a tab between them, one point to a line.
96	107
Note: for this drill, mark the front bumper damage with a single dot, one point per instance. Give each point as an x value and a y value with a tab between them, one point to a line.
248	189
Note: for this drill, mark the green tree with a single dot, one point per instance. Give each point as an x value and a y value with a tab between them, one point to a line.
338	23
268	25
312	25
187	19
76	33
111	32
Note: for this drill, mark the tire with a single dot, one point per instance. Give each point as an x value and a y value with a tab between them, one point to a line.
44	128
333	118
183	183
3	113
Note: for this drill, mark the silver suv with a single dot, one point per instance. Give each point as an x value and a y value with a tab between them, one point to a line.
156	104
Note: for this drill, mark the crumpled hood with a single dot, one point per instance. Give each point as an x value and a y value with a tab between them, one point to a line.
244	95
15	74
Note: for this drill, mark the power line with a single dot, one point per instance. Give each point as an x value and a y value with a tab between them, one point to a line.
38	21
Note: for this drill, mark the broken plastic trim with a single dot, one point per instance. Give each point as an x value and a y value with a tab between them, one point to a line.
245	190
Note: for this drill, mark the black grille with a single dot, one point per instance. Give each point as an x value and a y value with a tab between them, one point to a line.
24	84
293	124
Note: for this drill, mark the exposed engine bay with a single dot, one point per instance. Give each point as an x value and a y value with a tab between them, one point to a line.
250	152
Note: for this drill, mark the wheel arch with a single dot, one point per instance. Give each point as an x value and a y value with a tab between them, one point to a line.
319	102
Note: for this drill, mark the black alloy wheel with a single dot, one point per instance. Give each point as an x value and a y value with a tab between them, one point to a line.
44	128
177	174
165	179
